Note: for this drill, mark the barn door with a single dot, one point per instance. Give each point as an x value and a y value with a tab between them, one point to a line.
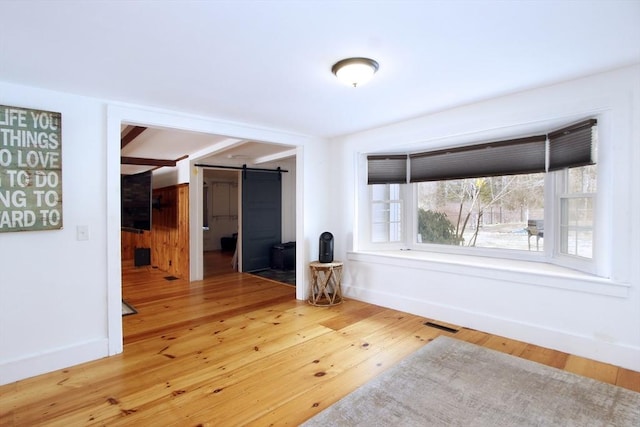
261	218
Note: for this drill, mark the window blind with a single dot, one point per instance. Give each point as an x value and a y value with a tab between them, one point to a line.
387	169
572	146
515	156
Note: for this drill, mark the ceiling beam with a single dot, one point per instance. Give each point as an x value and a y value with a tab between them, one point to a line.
131	135
146	162
218	148
274	157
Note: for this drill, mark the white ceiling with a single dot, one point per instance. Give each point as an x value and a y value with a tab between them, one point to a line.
267	63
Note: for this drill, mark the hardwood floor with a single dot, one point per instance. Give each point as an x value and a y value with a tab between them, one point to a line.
216	263
236	349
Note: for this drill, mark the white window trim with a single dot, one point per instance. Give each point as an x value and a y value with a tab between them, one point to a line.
530	273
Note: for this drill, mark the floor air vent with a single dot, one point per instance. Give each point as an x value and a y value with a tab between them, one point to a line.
441	327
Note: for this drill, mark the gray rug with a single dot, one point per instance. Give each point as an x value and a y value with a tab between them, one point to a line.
287	277
128	309
453	383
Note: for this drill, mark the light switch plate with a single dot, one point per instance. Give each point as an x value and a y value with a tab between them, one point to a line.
82	232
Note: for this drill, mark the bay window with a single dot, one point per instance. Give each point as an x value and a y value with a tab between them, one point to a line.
489	199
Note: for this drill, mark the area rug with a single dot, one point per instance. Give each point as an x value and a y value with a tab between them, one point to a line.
453	383
128	309
288	277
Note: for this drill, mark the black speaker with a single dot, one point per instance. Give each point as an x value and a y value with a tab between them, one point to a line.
326	247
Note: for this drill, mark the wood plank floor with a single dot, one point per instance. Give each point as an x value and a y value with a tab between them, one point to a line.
236	349
216	263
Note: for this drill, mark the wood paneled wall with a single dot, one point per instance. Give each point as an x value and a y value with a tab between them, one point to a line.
169	235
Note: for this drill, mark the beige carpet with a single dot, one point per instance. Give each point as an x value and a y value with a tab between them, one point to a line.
453	383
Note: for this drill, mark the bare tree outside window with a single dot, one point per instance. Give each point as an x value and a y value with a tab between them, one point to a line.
489	212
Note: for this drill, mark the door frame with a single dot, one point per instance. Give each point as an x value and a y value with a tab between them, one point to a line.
116	115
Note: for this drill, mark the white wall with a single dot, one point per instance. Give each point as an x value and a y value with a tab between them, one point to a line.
53	288
595	318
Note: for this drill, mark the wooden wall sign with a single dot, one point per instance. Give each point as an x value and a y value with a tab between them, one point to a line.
30	169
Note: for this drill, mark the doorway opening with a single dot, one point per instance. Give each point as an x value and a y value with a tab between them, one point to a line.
195	141
247	215
220	221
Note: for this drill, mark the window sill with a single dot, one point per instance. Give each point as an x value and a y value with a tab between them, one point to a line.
526	272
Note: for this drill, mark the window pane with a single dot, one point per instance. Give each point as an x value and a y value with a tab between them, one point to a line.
379	233
395	232
379	192
582	179
490	212
386	213
386	222
380	213
576	226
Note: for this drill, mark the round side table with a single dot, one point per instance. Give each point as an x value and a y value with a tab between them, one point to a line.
326	278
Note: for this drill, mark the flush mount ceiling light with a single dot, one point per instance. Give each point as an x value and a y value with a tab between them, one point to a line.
355	71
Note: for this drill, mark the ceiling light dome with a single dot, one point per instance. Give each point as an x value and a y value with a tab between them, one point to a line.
355	71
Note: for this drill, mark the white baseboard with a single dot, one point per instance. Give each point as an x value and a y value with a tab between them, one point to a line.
618	354
40	363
